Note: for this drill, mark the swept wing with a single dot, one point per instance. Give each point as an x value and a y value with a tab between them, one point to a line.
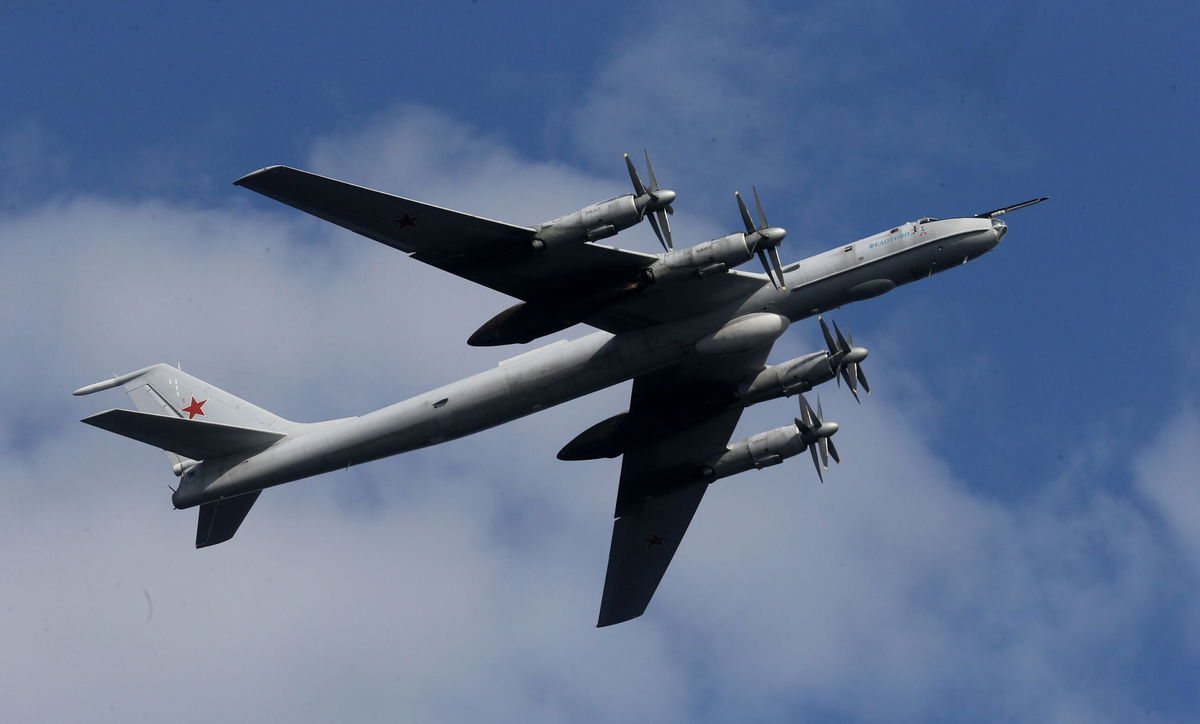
661	482
600	285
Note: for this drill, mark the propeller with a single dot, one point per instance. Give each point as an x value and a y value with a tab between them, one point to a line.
654	203
763	240
817	434
846	359
1004	210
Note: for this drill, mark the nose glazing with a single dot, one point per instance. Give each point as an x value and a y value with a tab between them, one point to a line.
1000	228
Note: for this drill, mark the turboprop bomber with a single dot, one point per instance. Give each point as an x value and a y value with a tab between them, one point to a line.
689	328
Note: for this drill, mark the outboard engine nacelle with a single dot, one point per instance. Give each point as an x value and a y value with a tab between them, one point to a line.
759	451
591	223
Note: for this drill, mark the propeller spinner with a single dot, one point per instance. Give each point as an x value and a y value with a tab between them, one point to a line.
654	203
763	240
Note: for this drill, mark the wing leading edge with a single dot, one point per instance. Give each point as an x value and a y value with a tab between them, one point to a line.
492	253
598	285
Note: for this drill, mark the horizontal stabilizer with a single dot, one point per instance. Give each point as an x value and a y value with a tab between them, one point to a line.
220	520
195	439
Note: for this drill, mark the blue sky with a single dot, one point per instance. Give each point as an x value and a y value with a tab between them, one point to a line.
1013	534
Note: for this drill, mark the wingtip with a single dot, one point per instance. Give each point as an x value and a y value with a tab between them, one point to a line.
260	172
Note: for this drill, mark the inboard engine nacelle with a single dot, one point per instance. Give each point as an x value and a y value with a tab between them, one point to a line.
789	378
711	257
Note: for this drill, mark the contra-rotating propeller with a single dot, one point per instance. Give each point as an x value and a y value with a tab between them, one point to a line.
846	359
654	203
763	239
817	434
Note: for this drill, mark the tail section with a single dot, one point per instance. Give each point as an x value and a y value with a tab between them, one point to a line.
164	390
192	421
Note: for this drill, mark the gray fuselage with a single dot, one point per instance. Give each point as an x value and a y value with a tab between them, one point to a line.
563	371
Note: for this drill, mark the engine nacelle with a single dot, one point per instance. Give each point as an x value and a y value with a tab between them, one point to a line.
759	451
789	378
747	332
711	257
591	223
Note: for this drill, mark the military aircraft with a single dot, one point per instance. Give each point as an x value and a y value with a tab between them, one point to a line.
691	331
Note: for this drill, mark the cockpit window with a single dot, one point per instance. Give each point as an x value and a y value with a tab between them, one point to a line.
926	220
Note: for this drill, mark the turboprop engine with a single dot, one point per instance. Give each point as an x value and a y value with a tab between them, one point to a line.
722	254
843	361
808	432
605	219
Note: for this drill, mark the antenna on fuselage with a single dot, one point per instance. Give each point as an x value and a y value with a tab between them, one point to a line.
1002	211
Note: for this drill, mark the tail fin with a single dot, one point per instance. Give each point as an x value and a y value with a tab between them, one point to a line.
165	390
191	421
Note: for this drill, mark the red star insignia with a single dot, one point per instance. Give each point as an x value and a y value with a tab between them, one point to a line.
407	220
196	408
655	540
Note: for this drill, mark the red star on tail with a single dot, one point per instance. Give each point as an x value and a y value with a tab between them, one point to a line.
196	408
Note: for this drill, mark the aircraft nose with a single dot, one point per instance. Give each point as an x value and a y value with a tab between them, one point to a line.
1000	228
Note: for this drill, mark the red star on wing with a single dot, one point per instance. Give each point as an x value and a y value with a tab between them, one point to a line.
196	408
407	220
655	540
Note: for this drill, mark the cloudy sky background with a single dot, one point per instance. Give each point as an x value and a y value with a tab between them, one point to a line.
1014	534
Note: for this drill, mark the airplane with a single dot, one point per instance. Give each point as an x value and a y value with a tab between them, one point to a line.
691	331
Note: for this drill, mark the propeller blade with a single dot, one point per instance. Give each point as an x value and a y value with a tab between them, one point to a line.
666	226
820	413
1005	209
842	346
828	337
862	378
745	213
778	266
650	171
813	449
823	444
806	412
658	232
762	256
833	453
638	188
762	216
846	375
